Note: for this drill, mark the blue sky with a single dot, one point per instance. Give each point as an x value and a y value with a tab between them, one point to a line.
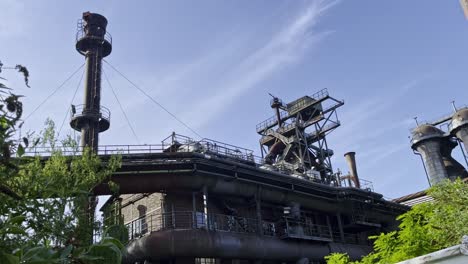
212	63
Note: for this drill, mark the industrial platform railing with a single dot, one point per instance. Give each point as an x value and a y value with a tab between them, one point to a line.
268	123
102	112
292	228
81	33
158	221
173	143
365	184
189	220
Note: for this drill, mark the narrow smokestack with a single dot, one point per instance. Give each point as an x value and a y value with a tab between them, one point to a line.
351	160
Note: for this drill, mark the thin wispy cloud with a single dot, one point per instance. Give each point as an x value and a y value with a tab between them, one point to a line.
282	50
201	88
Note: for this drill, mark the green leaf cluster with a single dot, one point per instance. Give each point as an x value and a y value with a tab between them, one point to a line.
426	228
47	203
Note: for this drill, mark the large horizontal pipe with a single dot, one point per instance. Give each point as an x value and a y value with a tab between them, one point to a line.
210	244
179	180
225	178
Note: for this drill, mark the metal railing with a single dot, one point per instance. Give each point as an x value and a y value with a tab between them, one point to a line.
158	221
81	33
299	229
270	121
364	184
285	228
102	150
173	143
283	114
179	143
351	239
79	110
315	134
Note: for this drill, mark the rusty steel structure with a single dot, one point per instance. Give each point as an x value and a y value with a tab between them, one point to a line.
294	140
206	202
93	42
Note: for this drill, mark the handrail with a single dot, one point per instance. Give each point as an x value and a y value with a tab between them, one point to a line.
270	121
81	33
80	109
174	143
188	220
283	114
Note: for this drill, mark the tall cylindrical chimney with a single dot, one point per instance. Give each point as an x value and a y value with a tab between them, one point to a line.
351	160
427	142
93	42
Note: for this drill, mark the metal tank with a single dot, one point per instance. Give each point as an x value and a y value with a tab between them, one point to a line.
426	140
459	126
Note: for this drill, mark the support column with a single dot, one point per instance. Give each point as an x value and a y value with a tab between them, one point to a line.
205	206
194	209
340	226
329	227
258	209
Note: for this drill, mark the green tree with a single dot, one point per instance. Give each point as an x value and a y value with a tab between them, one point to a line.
425	228
44	201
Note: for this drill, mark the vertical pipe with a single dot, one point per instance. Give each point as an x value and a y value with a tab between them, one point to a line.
463	152
462	135
351	160
92	98
173	215
278	116
194	210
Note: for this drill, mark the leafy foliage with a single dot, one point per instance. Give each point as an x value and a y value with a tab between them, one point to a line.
425	228
45	201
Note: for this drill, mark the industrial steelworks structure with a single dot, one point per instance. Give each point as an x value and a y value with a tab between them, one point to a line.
203	201
434	142
434	145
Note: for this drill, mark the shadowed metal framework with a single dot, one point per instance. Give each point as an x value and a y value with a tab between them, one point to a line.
294	140
216	202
